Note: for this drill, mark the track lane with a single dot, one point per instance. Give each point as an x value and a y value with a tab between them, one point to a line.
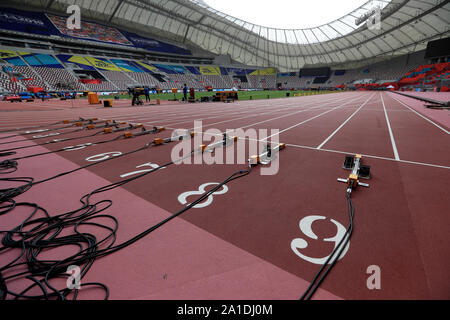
417	139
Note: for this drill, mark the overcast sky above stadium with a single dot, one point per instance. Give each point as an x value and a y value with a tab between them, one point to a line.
287	14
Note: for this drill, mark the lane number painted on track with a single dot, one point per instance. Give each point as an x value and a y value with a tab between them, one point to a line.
36	131
306	227
46	135
103	156
148	164
182	198
78	146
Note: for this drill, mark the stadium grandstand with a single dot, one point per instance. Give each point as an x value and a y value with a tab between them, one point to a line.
335	188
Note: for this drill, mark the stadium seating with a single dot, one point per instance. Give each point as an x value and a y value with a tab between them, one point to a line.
145	79
120	79
408	68
28	73
54	77
7	85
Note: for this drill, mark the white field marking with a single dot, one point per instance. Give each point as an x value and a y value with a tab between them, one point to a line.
265	113
209	108
343	124
341	152
216	114
171	117
420	115
193	119
394	147
269	112
307	120
252	114
390	110
42	105
24	131
219	111
208	118
208	125
293	103
164	113
214	108
30	118
309	109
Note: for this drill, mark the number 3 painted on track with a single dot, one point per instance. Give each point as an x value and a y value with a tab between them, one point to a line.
305	226
182	197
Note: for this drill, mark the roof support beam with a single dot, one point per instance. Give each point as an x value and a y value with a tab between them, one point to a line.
115	10
49	4
186	33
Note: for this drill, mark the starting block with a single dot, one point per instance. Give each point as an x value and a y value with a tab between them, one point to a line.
178	136
158	129
226	141
358	170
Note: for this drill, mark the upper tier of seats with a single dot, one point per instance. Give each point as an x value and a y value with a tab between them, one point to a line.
50	25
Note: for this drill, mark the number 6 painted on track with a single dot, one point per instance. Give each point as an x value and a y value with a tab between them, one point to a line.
182	197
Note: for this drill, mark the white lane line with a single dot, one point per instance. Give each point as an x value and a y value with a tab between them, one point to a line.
289	114
372	156
269	112
304	109
212	107
394	147
252	114
343	124
420	115
340	152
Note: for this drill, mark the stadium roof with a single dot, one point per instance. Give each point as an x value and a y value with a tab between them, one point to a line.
406	26
287	14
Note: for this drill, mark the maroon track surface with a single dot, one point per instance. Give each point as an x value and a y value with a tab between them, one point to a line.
239	246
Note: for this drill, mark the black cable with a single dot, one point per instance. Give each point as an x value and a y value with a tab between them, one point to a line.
315	283
67	126
64	139
10	193
36	138
8	166
131	127
5	154
49	142
32	127
106	125
36	132
63	149
47	232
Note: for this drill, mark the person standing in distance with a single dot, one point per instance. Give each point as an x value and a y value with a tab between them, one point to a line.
147	94
185	90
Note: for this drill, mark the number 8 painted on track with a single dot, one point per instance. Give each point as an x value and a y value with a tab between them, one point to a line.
182	197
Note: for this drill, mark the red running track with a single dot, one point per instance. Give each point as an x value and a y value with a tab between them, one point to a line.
239	246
